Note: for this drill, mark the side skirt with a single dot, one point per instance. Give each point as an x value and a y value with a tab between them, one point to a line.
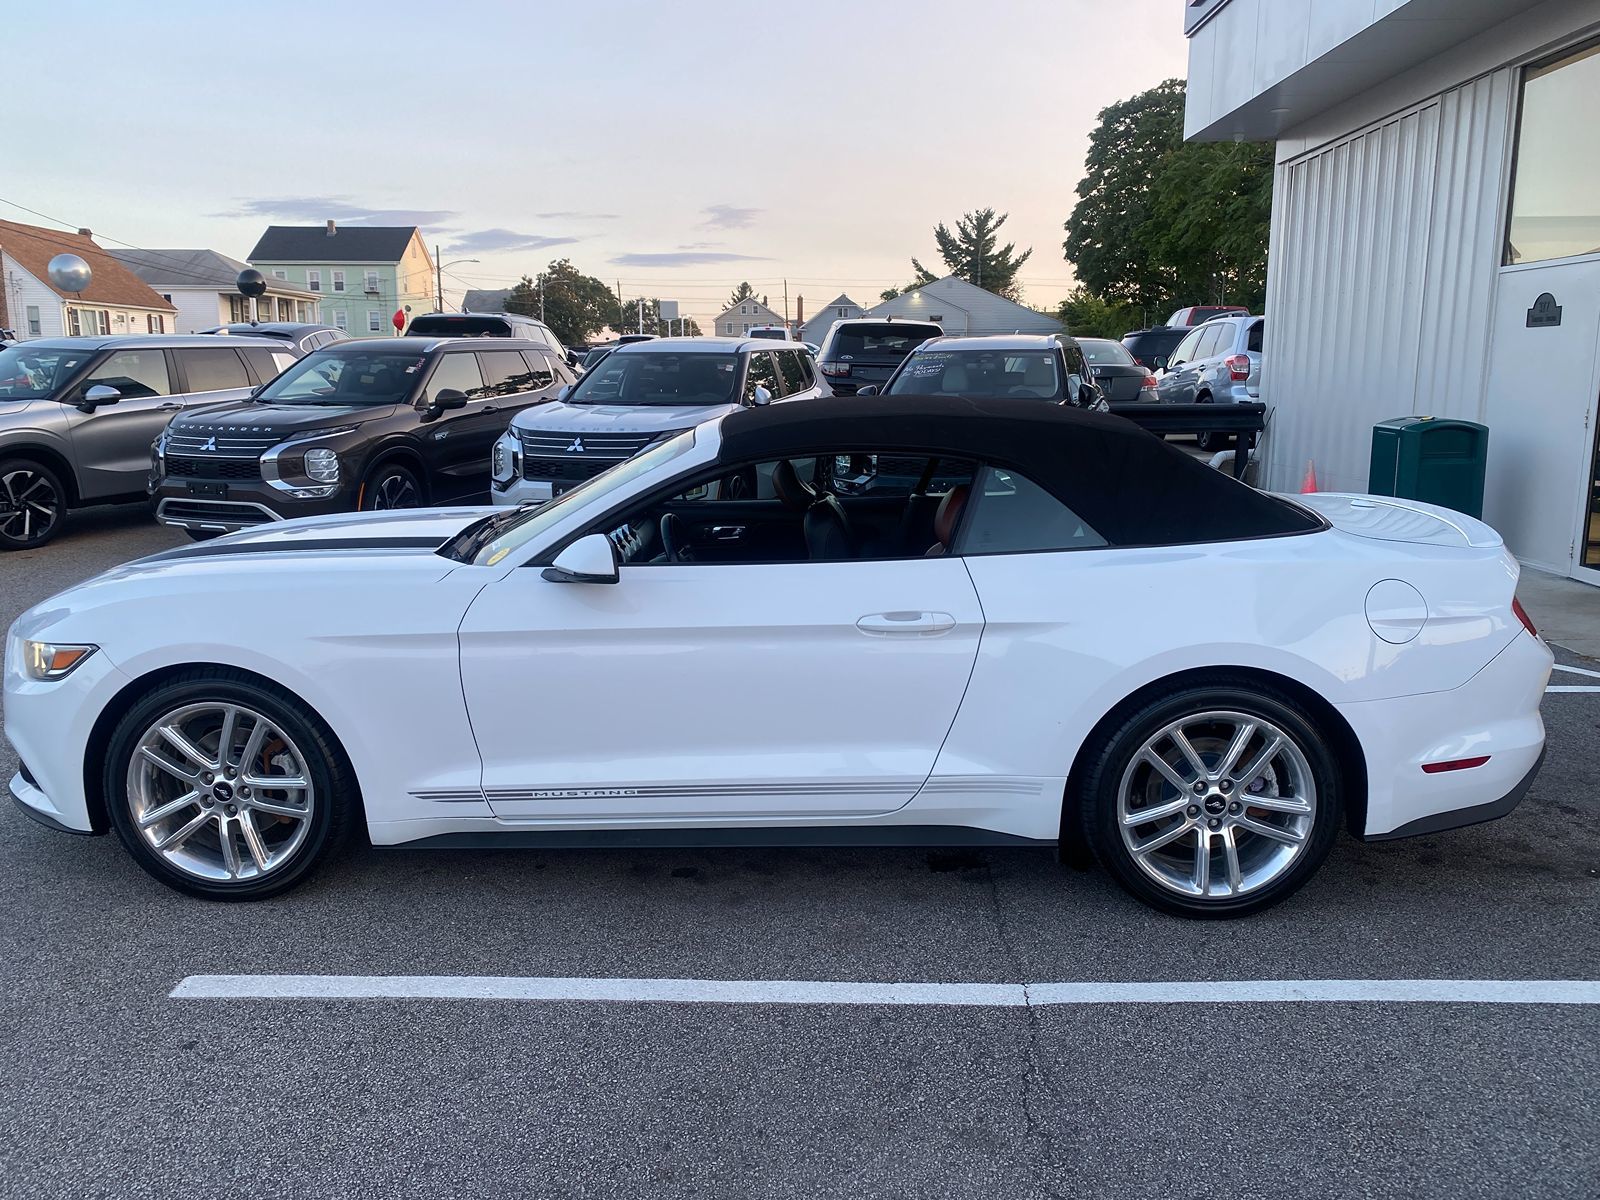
711	839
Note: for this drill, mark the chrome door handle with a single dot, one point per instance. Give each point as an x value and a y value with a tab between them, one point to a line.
727	533
174	407
906	624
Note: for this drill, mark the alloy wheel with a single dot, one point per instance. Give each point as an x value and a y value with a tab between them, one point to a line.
220	792
396	491
1217	805
30	504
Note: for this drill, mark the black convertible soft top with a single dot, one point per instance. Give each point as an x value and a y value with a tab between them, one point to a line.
1130	486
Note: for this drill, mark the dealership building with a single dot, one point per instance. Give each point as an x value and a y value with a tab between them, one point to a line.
1435	237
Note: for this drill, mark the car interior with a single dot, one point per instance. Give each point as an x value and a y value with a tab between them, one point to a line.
1029	375
850	506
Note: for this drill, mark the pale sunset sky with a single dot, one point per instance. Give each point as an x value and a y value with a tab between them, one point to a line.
678	148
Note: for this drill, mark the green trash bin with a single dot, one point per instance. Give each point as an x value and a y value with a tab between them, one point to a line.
1426	458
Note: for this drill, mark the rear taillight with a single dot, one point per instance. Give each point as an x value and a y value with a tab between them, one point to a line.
835	370
1149	384
1522	615
1239	367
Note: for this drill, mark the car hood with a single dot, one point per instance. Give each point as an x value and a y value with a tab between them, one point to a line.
250	416
419	530
619	418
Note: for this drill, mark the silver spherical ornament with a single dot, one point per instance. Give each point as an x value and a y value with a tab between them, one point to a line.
69	273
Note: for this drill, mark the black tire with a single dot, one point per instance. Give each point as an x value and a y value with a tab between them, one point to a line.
1111	757
336	797
33	503
392	485
1210	441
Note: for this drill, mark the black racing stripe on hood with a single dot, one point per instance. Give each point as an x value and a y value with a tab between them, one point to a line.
375	543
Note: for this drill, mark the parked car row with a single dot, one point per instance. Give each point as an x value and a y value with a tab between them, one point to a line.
226	433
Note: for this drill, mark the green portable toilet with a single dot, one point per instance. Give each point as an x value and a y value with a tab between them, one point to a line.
1425	458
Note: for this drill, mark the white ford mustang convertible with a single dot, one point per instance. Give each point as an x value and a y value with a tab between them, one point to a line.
909	621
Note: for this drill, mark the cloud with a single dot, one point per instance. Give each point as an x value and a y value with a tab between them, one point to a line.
701	245
727	216
495	240
578	216
316	209
684	258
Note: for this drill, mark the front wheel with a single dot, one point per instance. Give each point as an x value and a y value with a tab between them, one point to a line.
33	503
225	788
391	486
1216	801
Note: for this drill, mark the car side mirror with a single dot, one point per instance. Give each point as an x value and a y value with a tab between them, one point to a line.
99	394
762	396
870	390
566	390
1086	396
590	559
444	401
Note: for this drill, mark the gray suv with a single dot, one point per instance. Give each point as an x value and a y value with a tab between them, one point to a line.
1218	363
78	416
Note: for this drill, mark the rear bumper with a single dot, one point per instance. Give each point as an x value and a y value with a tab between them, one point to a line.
1495	714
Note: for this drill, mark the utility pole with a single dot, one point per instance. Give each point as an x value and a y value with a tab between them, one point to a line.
541	298
786	307
641	314
438	279
622	308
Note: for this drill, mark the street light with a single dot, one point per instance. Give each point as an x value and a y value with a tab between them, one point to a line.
438	275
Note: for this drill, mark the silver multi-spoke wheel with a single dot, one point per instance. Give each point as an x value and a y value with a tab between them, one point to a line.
220	792
30	504
1217	805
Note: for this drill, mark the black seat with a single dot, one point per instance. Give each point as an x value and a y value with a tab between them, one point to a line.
829	537
793	493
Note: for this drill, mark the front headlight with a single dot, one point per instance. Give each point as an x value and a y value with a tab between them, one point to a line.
504	459
52	660
322	465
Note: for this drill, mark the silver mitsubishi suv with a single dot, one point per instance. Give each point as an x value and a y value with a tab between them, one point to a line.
78	416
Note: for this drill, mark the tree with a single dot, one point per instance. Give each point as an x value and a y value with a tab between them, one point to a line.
1160	223
972	251
652	320
1087	315
577	306
743	292
923	276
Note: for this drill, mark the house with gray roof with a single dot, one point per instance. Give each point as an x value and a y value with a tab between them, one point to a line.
964	308
819	323
203	286
362	274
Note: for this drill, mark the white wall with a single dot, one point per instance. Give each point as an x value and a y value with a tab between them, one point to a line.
22	290
197	309
1385	248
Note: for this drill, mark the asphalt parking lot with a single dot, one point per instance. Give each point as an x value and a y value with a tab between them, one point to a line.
109	1086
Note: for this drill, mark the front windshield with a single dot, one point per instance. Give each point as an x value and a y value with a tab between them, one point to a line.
502	533
343	376
1104	353
29	374
659	377
979	373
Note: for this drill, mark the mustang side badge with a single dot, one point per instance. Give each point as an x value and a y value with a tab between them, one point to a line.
576	447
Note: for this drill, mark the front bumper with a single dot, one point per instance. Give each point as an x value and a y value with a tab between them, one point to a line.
1493	714
225	507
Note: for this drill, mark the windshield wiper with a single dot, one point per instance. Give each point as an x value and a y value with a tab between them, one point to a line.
465	545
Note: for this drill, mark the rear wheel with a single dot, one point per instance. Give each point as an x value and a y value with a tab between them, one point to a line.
224	788
1215	801
1210	441
391	485
33	503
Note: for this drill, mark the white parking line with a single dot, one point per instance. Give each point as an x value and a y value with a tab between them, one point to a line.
1571	688
1578	671
988	995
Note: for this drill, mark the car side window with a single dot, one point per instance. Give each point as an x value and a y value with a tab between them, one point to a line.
1077	372
539	365
454	372
213	370
1185	351
808	368
794	375
263	362
761	374
1009	514
1211	344
134	373
505	373
1253	342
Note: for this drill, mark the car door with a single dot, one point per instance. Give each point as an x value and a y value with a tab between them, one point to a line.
456	443
1212	374
1177	385
690	693
111	442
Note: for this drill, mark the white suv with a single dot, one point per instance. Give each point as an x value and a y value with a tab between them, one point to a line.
637	395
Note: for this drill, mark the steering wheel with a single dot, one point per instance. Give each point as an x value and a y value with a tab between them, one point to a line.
674	537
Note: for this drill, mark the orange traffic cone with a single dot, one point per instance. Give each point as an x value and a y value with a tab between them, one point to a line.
1309	483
